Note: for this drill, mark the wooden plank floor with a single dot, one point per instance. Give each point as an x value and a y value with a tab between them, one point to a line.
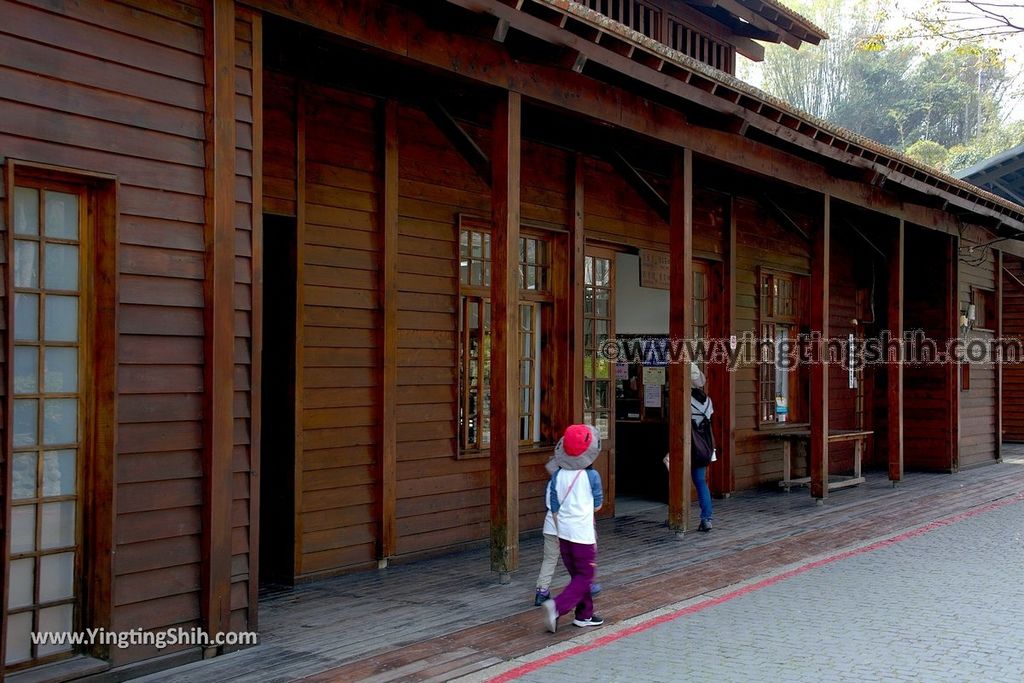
439	618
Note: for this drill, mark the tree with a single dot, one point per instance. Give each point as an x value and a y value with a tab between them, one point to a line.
928	152
971	20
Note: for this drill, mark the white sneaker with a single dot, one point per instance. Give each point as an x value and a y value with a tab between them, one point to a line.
550	615
592	621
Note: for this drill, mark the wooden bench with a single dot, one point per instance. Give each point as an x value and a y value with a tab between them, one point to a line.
791	436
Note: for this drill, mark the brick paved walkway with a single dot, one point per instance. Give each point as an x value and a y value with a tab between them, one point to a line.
940	606
444	617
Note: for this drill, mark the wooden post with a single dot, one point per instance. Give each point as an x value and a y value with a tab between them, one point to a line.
953	329
577	267
300	325
819	369
680	327
505	174
219	341
894	369
727	396
389	345
998	359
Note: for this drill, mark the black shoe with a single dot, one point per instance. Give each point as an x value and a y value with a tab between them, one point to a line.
705	525
592	621
540	597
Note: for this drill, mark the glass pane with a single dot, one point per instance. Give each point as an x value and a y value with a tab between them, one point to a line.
475	275
61	323
588	395
59	473
61	212
25	422
476	243
60	420
23	528
19	639
588	277
57	524
23	578
26	264
55	620
56	577
26	316
60	370
26	211
61	267
602	368
601	303
23	469
603	424
26	370
602	395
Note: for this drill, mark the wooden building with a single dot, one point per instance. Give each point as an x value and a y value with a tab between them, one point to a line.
298	288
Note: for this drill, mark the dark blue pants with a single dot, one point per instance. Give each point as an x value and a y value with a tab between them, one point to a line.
700	480
580	561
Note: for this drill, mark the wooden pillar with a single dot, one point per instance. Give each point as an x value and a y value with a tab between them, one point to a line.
894	369
953	331
819	369
680	327
726	399
300	324
998	360
218	437
505	172
389	346
576	295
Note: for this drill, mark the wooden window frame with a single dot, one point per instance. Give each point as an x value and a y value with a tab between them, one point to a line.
768	323
545	374
97	411
986	306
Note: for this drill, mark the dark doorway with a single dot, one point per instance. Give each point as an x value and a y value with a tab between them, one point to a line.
277	445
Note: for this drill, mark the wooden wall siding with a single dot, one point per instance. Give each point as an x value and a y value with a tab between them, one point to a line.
135	111
279	143
341	318
246	400
760	241
926	433
978	403
1013	328
848	263
441	500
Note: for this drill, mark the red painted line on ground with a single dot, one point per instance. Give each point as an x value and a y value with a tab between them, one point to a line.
520	671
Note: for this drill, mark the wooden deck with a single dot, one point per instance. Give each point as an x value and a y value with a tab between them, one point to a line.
439	618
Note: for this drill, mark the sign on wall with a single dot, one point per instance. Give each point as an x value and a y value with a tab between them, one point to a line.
654	269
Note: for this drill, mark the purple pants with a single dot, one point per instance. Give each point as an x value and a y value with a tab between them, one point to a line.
580	560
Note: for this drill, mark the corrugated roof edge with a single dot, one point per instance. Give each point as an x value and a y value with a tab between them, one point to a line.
792	14
605	23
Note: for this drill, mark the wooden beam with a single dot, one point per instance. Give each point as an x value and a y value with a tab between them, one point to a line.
463	143
505	189
405	35
219	341
578	266
999	356
680	326
953	331
300	325
821	249
389	341
894	369
639	183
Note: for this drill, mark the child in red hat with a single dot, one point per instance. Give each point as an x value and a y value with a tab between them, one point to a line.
574	494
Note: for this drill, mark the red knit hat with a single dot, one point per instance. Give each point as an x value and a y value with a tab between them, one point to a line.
577	439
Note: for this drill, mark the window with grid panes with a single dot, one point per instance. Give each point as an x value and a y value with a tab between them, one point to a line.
598	373
45	537
536	304
781	313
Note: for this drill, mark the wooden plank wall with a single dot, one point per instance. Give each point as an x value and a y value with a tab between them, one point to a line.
978	403
246	403
926	432
760	241
341	319
1013	328
135	111
441	500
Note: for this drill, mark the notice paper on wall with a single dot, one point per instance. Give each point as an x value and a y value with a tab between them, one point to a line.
652	396
654	376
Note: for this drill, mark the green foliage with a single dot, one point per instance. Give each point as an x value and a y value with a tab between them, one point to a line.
944	107
928	152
